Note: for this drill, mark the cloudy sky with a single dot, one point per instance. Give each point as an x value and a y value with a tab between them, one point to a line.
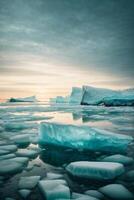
48	46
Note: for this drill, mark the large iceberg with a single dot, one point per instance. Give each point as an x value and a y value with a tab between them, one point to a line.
93	96
107	97
76	95
25	99
82	137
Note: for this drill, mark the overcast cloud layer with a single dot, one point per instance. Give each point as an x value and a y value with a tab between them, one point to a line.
53	40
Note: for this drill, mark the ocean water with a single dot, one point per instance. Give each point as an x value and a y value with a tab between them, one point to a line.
17	119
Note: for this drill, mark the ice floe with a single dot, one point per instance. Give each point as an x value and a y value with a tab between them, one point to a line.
28	182
119	158
27	153
82	137
54	189
117	192
12	166
95	170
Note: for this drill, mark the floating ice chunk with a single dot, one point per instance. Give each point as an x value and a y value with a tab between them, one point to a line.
119	158
3	152
27	153
10	126
9	148
22	160
12	166
25	99
54	189
95	194
76	95
8	156
24	193
28	182
52	176
95	170
21	140
82	137
117	191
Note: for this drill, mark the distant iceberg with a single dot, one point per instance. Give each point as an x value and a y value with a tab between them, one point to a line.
82	137
59	99
76	95
25	99
107	97
88	95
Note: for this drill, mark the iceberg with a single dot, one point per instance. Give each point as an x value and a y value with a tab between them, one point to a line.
76	95
82	137
95	170
59	99
25	99
93	96
107	97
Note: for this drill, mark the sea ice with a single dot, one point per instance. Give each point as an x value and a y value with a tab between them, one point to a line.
7	156
117	191
82	137
95	194
25	99
119	158
12	166
28	182
9	148
52	176
54	189
95	170
27	153
76	95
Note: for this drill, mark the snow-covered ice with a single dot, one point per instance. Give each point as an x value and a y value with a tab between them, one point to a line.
117	191
95	170
82	137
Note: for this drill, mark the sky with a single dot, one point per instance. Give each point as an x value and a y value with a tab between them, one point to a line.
48	46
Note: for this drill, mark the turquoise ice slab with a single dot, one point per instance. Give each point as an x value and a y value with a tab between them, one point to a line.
82	137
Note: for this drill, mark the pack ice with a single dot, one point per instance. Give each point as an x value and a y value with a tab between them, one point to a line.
95	170
82	137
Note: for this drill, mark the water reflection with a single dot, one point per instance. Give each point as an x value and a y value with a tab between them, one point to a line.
58	156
